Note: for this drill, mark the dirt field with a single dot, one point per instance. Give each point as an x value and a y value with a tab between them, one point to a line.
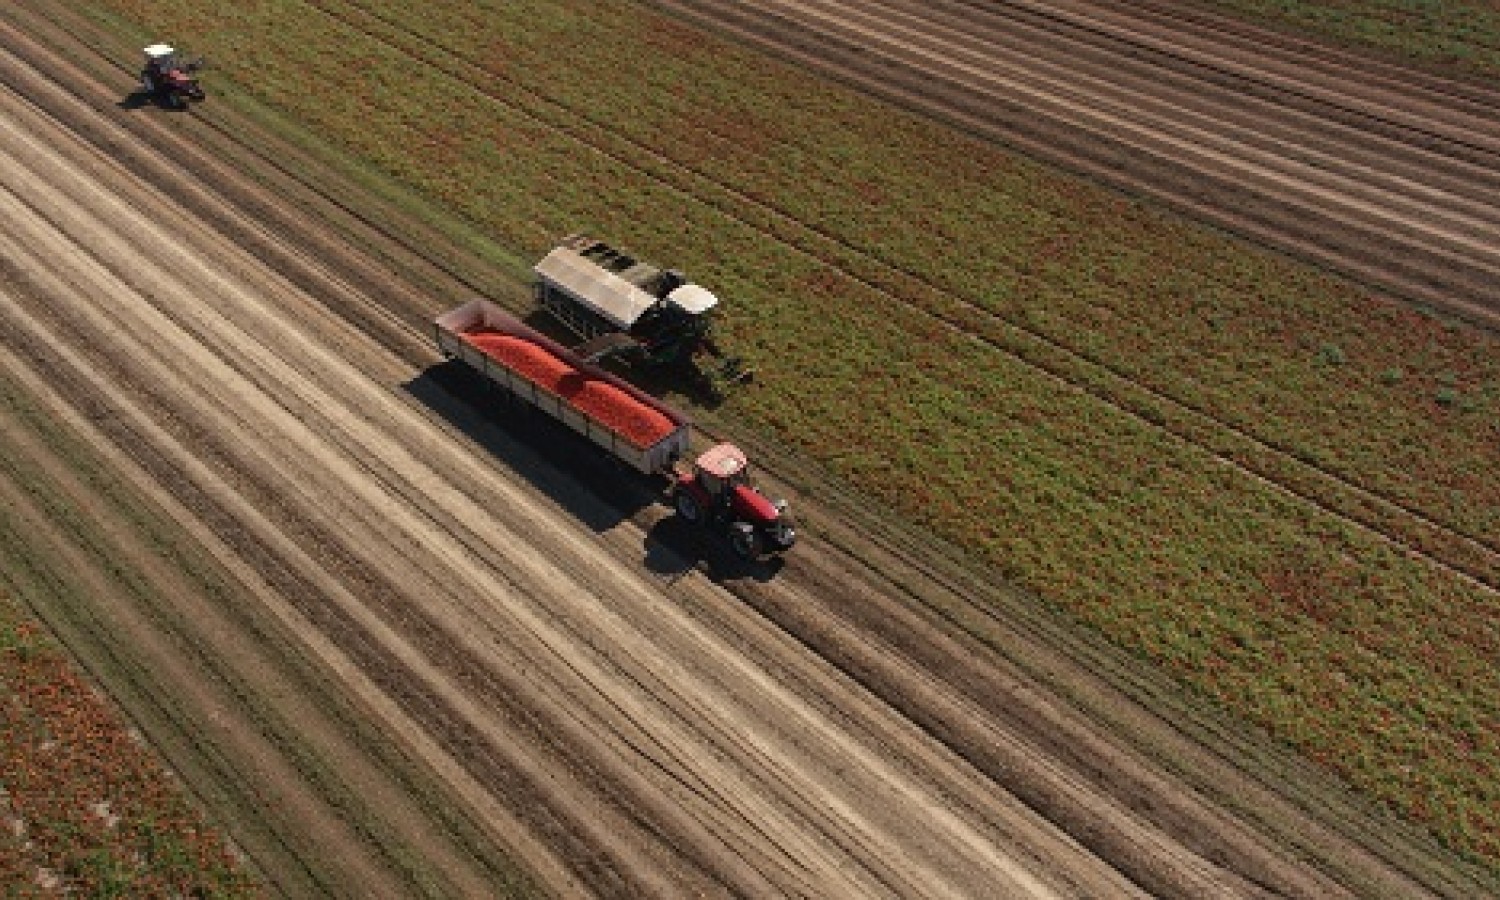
445	638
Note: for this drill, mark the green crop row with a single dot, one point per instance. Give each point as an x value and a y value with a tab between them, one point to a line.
1083	446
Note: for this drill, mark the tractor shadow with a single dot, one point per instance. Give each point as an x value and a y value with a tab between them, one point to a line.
591	485
141	100
675	547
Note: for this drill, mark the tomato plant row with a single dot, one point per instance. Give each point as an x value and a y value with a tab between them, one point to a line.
84	807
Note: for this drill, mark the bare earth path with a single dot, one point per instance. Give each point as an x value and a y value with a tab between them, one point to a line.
1386	174
530	638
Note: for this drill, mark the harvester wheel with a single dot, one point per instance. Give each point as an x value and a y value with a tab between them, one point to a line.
745	541
687	507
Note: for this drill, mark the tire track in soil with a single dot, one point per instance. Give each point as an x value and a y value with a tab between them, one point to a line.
819	626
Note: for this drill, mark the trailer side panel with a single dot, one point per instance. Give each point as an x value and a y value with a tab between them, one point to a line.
480	316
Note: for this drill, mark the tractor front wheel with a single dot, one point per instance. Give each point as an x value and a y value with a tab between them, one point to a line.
745	541
688	507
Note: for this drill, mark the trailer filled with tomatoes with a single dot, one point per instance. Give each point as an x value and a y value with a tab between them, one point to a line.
619	418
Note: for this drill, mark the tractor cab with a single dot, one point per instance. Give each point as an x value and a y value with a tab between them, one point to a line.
722	470
161	59
678	325
718	491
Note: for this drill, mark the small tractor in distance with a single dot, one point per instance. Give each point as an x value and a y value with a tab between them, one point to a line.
717	493
169	79
623	307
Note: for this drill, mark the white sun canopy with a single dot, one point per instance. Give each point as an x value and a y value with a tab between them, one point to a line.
599	289
159	50
693	299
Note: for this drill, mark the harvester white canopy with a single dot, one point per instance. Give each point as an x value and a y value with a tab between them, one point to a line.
599	289
156	51
693	298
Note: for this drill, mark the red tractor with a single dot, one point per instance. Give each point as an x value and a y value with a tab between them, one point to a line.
718	493
169	79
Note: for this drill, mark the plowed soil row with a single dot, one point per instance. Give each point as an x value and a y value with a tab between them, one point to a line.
853	725
1387	175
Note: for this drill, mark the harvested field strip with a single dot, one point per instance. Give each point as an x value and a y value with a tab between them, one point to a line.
472	864
633	420
286	740
1236	586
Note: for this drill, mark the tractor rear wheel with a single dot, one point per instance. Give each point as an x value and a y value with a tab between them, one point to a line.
688	507
745	541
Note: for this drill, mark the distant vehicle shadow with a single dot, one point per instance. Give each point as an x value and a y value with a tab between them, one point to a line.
140	99
593	486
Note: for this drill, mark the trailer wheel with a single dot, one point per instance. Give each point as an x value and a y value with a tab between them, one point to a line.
745	541
687	507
